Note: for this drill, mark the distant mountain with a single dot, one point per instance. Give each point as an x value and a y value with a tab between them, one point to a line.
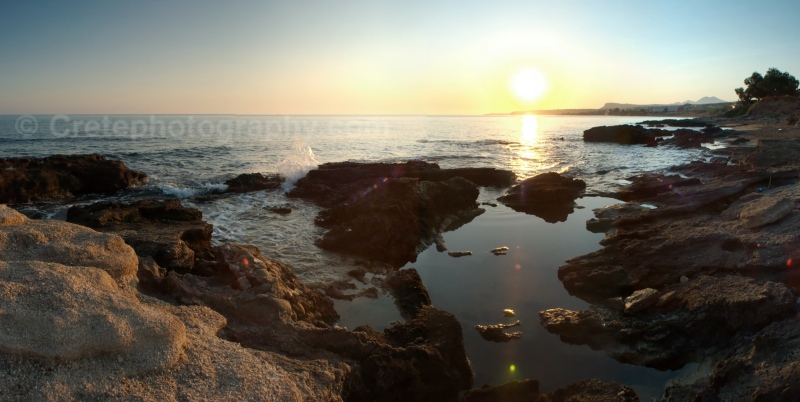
706	100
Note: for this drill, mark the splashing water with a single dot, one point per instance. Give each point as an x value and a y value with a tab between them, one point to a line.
296	165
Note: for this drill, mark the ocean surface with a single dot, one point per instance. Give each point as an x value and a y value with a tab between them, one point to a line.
187	156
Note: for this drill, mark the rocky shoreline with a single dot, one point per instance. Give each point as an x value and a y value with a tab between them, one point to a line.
697	267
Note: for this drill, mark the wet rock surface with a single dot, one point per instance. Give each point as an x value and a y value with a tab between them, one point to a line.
408	291
250	182
707	275
528	391
549	196
391	212
688	322
58	177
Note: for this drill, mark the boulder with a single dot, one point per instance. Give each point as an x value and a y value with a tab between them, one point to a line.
10	217
53	312
549	196
67	244
56	177
640	300
766	210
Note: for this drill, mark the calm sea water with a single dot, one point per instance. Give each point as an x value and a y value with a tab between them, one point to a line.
192	155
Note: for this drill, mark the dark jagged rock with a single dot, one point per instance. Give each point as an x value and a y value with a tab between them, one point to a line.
677	123
623	134
690	320
409	293
497	333
649	185
165	230
434	370
687	138
528	391
391	211
549	196
394	220
333	183
249	182
759	367
60	176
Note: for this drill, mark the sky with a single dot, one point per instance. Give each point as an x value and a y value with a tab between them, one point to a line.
381	57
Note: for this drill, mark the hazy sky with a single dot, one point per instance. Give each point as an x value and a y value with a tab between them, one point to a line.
381	57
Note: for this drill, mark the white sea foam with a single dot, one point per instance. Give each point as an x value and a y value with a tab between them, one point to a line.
188	192
295	165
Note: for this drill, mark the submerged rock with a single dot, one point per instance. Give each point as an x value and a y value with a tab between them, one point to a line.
60	176
497	333
549	196
410	295
499	250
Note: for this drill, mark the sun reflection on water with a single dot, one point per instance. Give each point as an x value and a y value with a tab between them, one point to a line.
530	127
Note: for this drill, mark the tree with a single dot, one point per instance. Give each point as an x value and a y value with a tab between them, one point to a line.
774	83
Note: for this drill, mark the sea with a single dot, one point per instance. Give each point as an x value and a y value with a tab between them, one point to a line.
189	156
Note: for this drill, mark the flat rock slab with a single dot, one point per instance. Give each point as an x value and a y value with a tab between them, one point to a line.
766	210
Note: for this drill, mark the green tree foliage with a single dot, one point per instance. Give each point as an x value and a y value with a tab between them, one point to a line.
774	83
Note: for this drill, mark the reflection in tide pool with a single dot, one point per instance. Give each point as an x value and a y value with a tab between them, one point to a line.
476	289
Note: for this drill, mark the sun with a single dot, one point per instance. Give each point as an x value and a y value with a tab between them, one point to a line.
529	84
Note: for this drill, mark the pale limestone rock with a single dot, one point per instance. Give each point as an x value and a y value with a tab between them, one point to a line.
10	217
766	210
68	244
640	300
54	312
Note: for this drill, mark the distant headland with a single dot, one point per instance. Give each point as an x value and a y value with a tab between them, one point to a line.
707	105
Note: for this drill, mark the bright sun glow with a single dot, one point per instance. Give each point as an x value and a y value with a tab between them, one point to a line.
529	84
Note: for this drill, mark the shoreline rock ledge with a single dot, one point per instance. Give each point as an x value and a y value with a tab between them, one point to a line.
63	176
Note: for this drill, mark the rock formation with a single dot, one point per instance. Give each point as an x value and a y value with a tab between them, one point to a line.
391	212
549	196
56	177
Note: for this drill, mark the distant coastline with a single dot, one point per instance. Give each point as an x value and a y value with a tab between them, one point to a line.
705	106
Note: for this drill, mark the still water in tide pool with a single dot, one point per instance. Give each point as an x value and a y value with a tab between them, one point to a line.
476	288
